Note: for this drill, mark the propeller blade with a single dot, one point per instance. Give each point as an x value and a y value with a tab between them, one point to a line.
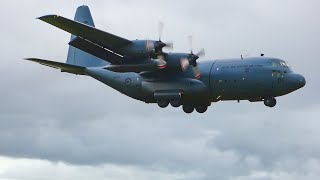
184	64
159	44
169	45
190	39
201	53
196	72
160	29
161	57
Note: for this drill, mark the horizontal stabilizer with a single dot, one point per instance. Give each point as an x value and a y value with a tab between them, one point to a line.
57	65
90	33
95	50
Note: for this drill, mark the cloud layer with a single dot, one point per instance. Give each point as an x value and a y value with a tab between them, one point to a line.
76	128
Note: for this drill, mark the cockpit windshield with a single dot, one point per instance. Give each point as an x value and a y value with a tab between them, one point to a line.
284	64
280	63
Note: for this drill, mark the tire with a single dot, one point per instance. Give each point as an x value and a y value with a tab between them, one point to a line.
175	103
202	109
270	102
163	103
188	109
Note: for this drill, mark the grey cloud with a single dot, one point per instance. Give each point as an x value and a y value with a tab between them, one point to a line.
49	115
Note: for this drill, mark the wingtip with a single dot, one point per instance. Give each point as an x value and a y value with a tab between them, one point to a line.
47	16
30	59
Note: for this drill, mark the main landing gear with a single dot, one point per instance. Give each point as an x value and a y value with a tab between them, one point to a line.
270	102
175	103
163	103
200	108
187	108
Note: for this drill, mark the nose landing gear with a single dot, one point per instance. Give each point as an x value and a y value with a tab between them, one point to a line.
270	102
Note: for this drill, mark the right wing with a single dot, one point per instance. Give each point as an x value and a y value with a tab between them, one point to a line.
86	32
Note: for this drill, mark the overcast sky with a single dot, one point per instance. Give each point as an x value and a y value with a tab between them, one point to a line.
59	126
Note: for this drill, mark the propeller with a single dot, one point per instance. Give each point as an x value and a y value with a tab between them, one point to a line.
160	29
160	44
192	58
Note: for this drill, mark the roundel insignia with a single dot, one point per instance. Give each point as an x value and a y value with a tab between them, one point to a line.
128	82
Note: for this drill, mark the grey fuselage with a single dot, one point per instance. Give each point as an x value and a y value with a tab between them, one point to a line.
250	79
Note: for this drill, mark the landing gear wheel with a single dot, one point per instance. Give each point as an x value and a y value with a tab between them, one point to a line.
270	102
188	109
163	103
201	109
175	102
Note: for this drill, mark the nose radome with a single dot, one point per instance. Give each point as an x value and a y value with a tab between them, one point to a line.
302	81
297	80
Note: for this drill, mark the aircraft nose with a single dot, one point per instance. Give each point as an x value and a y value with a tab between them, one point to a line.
298	80
302	81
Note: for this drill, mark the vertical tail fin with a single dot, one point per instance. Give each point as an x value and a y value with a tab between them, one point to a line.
77	56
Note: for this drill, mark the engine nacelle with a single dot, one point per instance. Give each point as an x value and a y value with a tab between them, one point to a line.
140	49
177	61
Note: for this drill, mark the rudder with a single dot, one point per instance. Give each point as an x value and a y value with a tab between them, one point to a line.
77	56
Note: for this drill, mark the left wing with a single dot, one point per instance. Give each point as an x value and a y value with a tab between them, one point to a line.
73	69
96	50
86	32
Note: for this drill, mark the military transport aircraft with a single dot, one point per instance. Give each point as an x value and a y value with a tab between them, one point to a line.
141	69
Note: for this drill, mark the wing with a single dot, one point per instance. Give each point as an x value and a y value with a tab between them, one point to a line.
96	50
86	32
57	65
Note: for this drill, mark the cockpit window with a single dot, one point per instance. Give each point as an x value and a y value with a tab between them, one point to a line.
287	64
276	73
284	64
275	63
279	63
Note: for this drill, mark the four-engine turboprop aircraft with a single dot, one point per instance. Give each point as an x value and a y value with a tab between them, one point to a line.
141	70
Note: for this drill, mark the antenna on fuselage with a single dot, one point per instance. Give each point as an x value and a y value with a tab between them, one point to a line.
241	57
261	55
